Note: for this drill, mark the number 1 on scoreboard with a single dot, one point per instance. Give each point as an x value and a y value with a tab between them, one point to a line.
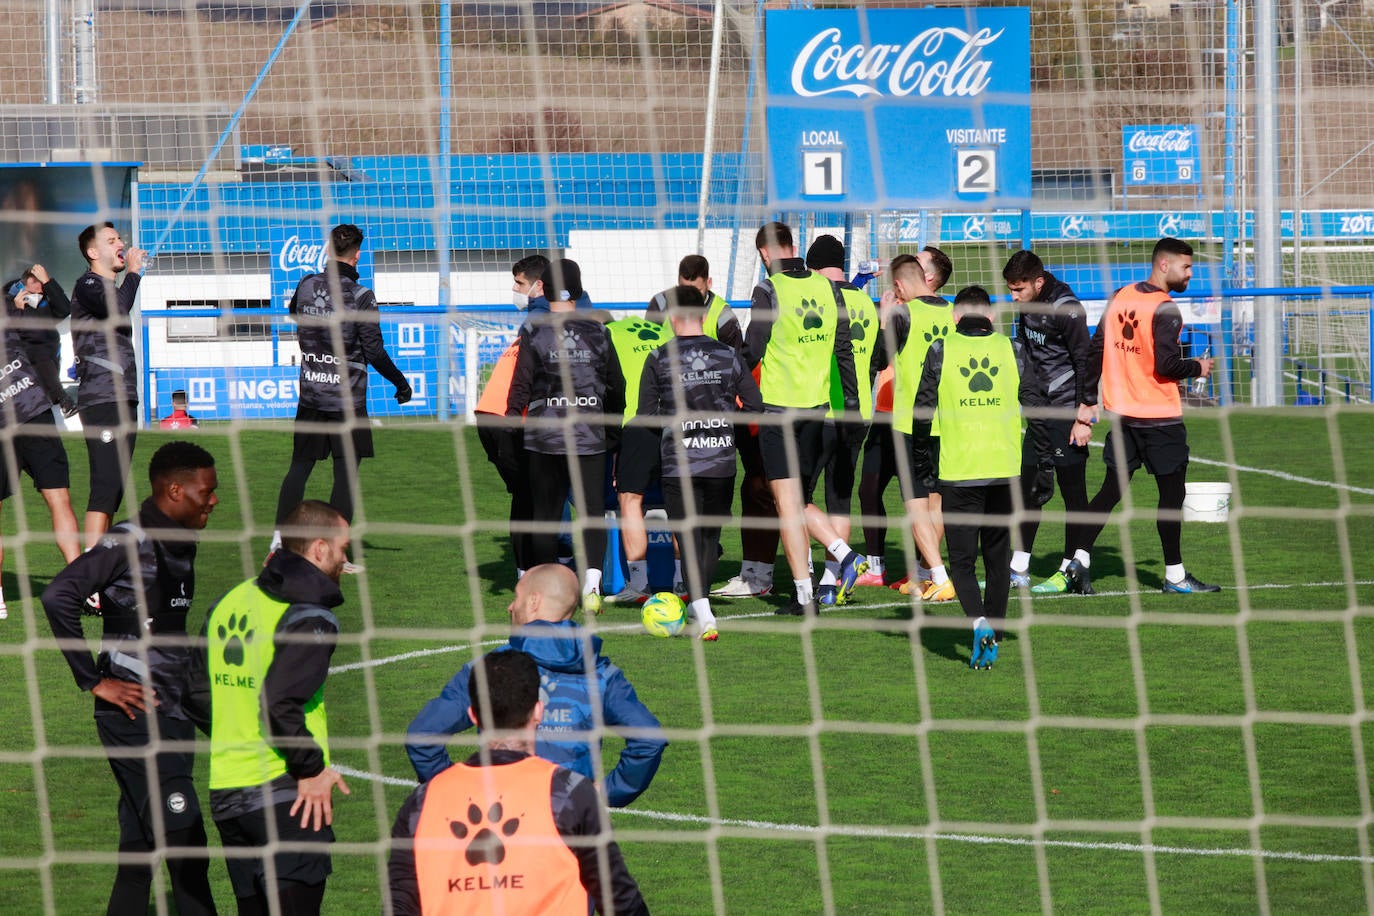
823	173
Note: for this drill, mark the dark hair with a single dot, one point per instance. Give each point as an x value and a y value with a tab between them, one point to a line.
87	237
27	274
773	235
693	267
345	239
562	281
941	264
684	302
178	459
1170	245
531	267
1024	266
898	261
973	295
504	683
308	523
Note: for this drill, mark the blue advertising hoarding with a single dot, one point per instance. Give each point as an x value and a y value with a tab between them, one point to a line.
898	108
1160	154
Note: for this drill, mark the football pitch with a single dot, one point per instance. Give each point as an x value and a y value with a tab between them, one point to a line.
1129	752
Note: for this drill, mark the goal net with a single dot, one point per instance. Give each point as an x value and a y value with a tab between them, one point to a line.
1130	751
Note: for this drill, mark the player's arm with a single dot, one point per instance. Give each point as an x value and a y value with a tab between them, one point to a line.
1092	376
650	393
1035	402
923	414
522	378
196	702
402	880
374	347
1072	321
763	309
128	290
446	714
747	389
728	330
58	303
577	813
614	381
88	298
63	600
1169	361
622	709
304	641
844	355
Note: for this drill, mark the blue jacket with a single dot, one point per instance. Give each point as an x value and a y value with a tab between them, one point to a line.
567	697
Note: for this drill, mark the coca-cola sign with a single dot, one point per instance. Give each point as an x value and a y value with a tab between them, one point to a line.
304	257
1160	154
898	109
945	62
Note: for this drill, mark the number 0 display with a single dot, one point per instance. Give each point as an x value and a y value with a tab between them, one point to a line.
976	171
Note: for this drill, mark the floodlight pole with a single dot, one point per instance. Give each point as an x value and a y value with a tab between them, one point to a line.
52	52
1268	352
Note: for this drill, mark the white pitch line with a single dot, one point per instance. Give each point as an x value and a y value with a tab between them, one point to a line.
1280	475
879	605
894	834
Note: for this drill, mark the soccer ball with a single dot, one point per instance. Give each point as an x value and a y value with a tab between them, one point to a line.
664	615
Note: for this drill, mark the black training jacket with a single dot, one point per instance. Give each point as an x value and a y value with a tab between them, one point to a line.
339	341
37	328
21	393
103	338
688	391
131	568
567	368
1053	331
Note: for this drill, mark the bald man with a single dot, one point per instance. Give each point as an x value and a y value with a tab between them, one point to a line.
541	614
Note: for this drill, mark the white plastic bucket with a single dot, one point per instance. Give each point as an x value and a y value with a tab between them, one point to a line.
1206	502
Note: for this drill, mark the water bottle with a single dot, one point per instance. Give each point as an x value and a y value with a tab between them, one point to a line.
870	267
1199	384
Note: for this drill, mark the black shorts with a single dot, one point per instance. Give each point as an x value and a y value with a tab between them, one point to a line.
37	450
1062	452
792	448
639	461
904	448
840	461
111	434
316	443
1163	450
250	830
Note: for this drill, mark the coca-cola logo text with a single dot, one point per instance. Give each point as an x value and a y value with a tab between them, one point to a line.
938	61
296	255
1168	141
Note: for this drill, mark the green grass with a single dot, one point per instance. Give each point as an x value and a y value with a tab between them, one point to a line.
870	724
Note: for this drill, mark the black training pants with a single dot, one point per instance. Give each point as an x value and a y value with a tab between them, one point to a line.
550	477
698	516
977	517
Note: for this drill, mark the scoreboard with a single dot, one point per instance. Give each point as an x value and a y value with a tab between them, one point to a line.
898	109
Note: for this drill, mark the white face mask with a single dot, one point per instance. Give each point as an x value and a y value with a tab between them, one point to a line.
520	300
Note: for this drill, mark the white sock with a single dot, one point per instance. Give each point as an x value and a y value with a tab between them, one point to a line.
1083	558
519	574
749	569
922	573
938	575
1173	573
700	610
1020	561
2	595
1064	564
875	565
276	541
831	574
639	575
677	570
839	549
591	581
804	590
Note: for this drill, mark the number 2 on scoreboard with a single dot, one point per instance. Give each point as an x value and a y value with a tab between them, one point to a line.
975	171
823	173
